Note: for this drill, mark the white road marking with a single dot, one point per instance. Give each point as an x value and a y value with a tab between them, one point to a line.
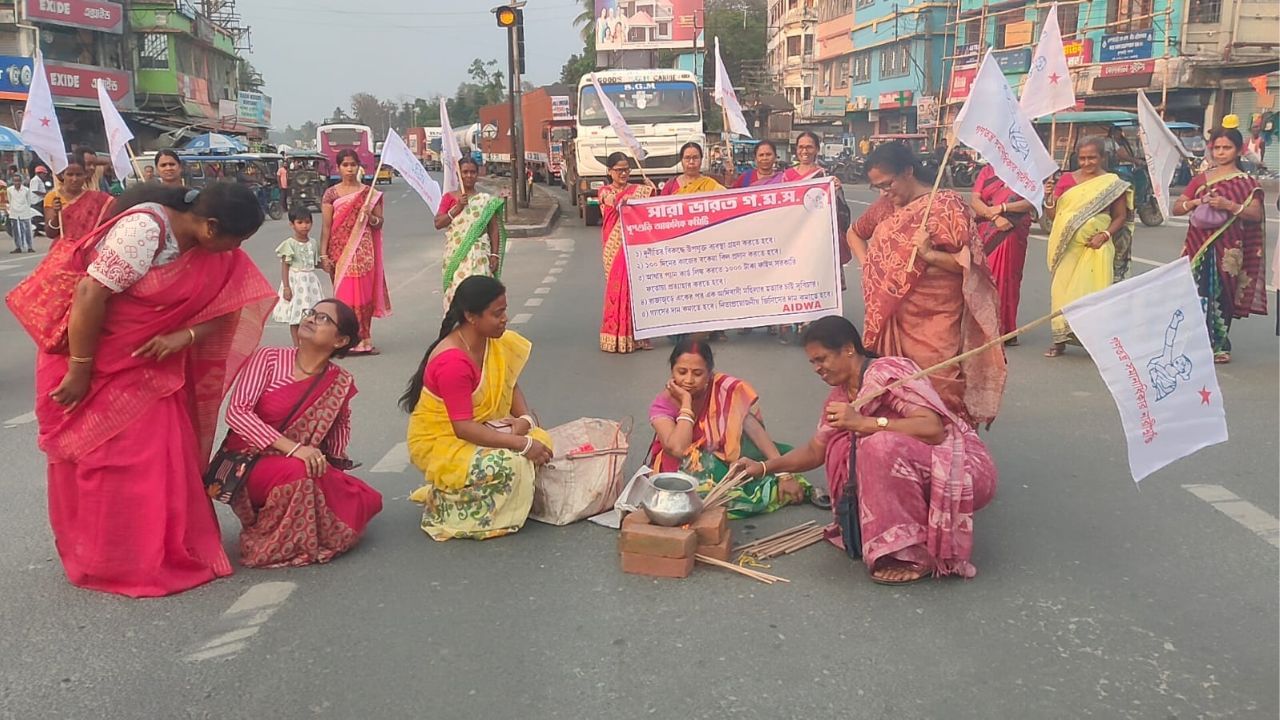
18	274
20	420
533	302
243	620
550	279
562	262
564	245
1252	517
541	290
396	460
521	318
556	270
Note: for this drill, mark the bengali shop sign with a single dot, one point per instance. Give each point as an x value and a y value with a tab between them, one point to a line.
733	259
1127	46
1078	52
97	15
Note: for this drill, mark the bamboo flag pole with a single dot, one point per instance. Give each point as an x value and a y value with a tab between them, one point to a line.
957	359
952	141
137	167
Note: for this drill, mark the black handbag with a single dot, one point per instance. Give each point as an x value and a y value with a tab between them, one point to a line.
847	509
229	469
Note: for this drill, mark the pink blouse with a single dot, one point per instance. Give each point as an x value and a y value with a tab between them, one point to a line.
268	369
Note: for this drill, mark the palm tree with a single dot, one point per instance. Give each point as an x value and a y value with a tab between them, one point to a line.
586	21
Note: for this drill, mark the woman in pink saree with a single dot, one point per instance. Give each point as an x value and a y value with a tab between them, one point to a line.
906	474
1004	222
167	312
616	332
351	248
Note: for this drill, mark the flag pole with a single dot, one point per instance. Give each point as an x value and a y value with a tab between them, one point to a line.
731	167
137	167
952	141
1053	135
957	359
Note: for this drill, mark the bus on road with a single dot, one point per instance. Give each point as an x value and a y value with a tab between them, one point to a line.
331	139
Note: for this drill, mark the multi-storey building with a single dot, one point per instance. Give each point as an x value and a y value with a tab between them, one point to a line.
790	50
899	62
833	53
1193	58
82	42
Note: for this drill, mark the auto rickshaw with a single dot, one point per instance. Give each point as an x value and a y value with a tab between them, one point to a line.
256	170
308	177
1124	154
384	174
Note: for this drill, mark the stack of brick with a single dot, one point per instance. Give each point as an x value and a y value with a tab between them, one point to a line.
657	551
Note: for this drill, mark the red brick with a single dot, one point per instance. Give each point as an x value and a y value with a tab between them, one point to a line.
711	526
656	566
719	551
658	541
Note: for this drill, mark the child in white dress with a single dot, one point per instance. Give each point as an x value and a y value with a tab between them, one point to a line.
299	282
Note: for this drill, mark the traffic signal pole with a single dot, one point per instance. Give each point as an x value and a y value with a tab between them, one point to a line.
511	17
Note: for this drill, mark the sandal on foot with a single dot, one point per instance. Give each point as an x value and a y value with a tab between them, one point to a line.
1222	358
900	565
1055	351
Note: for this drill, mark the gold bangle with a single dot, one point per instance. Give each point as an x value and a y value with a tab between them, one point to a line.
81	360
192	332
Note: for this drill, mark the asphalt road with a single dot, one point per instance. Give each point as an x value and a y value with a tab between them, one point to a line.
1094	598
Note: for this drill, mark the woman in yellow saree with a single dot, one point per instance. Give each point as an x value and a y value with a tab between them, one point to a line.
471	431
692	180
1090	209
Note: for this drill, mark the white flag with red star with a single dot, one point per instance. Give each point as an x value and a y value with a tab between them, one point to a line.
1047	88
1148	337
40	129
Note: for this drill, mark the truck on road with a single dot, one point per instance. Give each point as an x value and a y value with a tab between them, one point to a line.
546	123
664	111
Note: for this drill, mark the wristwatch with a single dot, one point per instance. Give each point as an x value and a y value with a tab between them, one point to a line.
882	422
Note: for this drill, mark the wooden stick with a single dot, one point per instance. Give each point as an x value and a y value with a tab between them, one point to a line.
957	359
137	167
774	536
753	574
952	141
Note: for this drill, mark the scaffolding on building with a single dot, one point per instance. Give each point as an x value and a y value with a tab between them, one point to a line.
225	15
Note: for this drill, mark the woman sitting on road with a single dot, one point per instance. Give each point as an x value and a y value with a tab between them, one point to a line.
168	311
692	180
1090	211
472	433
293	406
704	421
906	474
476	236
73	209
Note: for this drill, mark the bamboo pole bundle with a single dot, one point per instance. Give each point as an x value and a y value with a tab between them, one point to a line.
785	542
719	494
765	578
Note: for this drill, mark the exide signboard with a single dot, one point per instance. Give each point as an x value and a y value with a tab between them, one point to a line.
100	15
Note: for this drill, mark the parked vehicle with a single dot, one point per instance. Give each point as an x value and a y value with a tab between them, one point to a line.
255	170
332	139
546	125
308	179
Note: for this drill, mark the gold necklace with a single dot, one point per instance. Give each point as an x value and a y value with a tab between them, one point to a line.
465	344
297	362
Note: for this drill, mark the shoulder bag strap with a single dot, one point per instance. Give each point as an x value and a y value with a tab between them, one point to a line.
847	516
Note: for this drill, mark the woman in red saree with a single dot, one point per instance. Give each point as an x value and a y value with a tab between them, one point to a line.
906	474
73	209
298	506
616	333
1004	222
942	305
1228	215
169	310
351	248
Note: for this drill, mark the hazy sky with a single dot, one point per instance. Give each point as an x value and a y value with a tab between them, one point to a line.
315	53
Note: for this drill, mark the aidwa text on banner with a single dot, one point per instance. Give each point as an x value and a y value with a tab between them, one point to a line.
733	259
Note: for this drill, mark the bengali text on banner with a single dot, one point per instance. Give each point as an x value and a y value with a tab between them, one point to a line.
733	259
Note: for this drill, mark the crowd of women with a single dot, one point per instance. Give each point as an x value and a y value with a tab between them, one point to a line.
129	347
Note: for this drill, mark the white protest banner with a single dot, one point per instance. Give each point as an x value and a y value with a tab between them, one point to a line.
1148	338
733	259
1047	88
992	123
1162	150
397	155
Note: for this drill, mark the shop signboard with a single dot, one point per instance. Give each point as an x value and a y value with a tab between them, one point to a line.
1131	75
560	108
69	83
1078	52
1012	62
253	109
100	15
636	25
961	83
894	100
1127	46
926	112
831	106
968	55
